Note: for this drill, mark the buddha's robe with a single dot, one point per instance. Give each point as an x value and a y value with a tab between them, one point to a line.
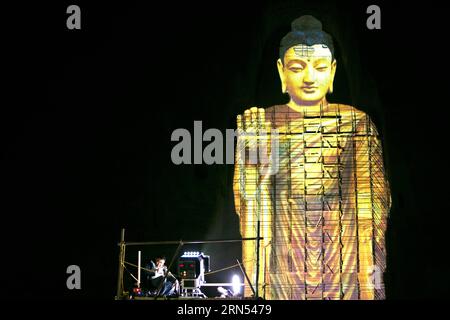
323	214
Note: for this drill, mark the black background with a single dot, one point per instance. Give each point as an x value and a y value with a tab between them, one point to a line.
85	137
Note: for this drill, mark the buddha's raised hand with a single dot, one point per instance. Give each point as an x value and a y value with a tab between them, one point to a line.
253	131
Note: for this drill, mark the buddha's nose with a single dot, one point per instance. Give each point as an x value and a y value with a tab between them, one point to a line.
310	76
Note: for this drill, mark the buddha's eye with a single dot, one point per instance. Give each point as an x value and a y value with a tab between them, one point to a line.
321	68
296	68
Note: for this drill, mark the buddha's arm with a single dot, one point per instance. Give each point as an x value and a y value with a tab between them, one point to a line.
381	193
251	182
245	182
251	186
374	197
373	204
237	180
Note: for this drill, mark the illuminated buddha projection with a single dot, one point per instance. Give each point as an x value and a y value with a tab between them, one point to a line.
323	208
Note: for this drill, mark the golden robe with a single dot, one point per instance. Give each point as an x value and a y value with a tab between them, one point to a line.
323	214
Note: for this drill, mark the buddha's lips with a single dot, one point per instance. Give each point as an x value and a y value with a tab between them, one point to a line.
309	89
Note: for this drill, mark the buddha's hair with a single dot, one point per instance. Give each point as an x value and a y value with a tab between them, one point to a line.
306	30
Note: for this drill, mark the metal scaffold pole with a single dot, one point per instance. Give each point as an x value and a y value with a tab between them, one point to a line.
121	265
258	237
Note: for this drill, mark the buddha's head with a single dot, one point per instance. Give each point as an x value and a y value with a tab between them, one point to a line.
306	64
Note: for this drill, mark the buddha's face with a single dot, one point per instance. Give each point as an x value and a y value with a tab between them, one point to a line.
307	73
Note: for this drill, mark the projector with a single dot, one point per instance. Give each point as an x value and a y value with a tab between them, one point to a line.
192	266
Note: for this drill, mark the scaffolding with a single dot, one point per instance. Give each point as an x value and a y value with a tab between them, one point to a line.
323	213
122	293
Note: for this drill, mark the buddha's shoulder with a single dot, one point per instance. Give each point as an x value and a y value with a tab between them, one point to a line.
332	108
345	110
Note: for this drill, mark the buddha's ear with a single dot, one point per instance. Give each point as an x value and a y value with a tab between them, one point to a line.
333	68
282	76
333	72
